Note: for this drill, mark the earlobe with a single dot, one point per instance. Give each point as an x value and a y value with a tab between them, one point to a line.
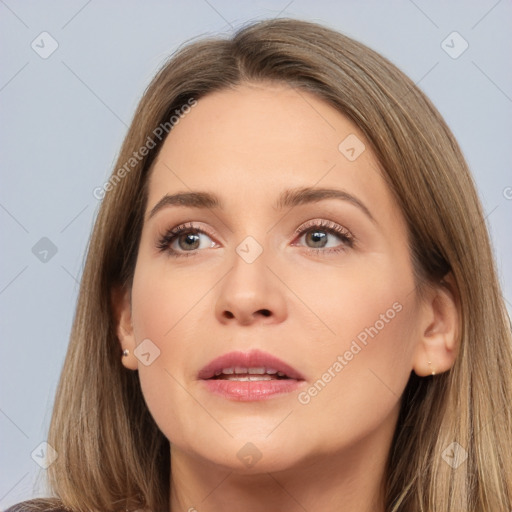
121	307
438	345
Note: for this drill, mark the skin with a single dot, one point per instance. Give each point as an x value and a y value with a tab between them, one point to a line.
247	145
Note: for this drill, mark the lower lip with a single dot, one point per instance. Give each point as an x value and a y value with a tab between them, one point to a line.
249	391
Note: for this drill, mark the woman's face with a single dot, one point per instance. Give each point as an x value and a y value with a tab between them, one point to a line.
322	281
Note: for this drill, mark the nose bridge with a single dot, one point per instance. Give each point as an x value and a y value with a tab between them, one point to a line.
250	292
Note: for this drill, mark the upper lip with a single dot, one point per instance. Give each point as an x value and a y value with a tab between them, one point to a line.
252	359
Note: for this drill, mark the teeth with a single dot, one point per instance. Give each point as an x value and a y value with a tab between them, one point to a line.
239	370
256	371
251	378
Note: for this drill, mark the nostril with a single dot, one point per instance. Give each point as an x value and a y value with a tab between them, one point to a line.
263	312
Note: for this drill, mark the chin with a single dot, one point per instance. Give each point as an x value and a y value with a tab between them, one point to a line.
253	456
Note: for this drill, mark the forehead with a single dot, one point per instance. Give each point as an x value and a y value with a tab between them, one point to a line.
256	120
250	143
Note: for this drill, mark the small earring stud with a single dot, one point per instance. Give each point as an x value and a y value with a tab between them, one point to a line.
126	352
433	371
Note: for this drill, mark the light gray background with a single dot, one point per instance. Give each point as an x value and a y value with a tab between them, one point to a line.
64	117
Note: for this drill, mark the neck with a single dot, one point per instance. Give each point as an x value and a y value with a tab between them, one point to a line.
348	480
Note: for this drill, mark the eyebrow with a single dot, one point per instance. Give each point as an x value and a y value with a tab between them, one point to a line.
287	199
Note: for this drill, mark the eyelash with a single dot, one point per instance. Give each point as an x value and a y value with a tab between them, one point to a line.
332	228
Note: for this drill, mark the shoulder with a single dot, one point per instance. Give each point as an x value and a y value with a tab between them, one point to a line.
38	505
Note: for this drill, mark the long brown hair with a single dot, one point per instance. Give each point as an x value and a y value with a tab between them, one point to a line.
111	454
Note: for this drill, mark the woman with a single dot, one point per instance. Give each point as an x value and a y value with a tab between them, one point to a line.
289	300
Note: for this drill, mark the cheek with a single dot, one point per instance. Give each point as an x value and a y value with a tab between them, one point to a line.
162	298
161	302
364	360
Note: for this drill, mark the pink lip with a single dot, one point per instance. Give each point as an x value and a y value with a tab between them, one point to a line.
250	390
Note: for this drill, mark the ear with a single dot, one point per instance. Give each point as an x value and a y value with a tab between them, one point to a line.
121	307
439	329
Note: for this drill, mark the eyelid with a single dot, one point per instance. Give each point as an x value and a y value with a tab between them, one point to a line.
165	238
327	225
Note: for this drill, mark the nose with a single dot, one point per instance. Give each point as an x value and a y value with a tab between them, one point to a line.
250	293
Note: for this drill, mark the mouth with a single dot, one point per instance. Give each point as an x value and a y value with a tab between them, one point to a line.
241	374
249	376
